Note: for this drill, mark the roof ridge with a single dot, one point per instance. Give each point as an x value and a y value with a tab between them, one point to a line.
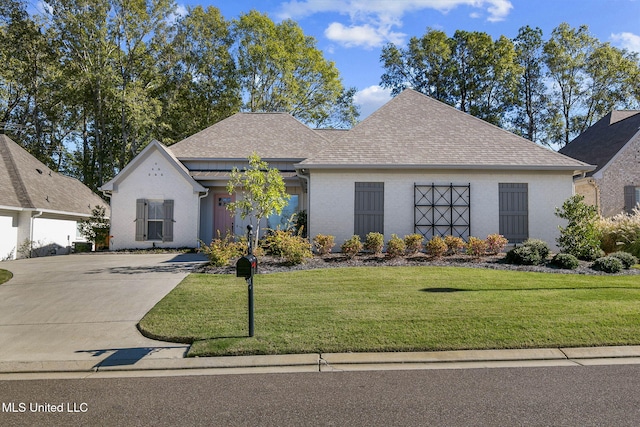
14	174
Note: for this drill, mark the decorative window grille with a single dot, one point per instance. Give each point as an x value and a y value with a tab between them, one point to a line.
442	210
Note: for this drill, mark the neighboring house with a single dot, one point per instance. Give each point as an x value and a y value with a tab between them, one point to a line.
38	205
613	145
415	165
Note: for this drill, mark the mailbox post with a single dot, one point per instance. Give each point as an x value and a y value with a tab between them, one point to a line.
247	267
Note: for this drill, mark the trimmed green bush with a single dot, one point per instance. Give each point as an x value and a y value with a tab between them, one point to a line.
539	246
608	264
627	259
288	245
524	255
565	261
374	242
413	243
395	246
436	246
581	236
324	243
351	246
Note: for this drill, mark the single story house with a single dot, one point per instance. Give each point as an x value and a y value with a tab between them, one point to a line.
416	165
613	145
39	208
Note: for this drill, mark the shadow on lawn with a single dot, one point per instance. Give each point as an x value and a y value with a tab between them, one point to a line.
592	288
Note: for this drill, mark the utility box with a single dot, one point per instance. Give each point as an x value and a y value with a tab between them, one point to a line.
247	266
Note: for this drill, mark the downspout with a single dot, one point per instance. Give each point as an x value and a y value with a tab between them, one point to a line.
108	194
39	214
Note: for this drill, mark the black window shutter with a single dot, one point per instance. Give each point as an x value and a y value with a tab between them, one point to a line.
167	228
140	219
630	201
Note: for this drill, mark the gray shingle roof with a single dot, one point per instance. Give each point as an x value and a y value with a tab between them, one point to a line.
600	142
414	130
27	183
271	135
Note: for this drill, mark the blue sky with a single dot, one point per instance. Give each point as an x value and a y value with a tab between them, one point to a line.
352	32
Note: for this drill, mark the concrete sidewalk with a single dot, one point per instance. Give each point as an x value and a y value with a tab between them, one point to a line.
325	362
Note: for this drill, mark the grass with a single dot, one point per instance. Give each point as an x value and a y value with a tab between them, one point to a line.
5	276
398	309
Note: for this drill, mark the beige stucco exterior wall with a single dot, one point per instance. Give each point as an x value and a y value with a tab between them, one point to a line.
332	193
154	178
622	170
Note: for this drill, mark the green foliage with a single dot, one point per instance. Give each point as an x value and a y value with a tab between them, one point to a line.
608	264
352	246
222	250
565	261
496	243
413	242
621	233
531	252
436	246
286	244
261	191
396	246
627	259
581	237
324	243
96	228
301	223
455	244
476	247
540	246
374	242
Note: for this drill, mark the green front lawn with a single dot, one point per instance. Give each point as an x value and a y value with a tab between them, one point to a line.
5	276
398	309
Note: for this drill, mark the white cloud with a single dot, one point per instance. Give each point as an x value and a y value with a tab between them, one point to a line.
627	41
373	21
370	99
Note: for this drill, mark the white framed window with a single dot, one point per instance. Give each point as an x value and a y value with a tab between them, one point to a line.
154	220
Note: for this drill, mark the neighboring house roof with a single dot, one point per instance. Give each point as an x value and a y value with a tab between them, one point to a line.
152	147
270	135
415	131
28	184
604	139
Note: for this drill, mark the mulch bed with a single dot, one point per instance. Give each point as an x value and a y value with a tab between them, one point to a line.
269	264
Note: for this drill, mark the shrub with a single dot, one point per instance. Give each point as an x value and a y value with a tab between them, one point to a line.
374	242
288	245
621	233
324	243
608	264
395	246
540	246
351	246
436	246
581	237
413	243
476	247
454	244
222	250
627	259
523	255
496	243
565	261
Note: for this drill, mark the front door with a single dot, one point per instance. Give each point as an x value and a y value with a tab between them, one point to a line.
222	218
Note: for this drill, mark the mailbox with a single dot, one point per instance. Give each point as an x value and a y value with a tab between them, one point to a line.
247	266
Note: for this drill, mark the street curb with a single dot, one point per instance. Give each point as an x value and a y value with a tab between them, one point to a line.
329	362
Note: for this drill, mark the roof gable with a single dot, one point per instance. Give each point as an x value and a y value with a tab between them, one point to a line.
414	130
27	183
270	135
599	144
153	146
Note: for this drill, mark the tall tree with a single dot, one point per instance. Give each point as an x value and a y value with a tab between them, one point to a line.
531	99
565	55
281	69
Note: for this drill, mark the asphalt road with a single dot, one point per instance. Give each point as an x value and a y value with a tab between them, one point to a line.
559	396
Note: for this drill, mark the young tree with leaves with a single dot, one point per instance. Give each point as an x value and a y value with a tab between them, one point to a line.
261	191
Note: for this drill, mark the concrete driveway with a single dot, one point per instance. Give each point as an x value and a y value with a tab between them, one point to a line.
83	309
